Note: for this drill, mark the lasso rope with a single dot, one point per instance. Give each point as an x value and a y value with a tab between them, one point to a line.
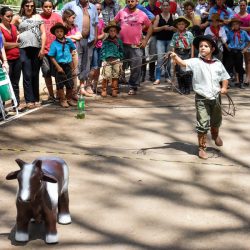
230	110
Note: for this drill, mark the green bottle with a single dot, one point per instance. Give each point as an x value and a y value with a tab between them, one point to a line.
81	108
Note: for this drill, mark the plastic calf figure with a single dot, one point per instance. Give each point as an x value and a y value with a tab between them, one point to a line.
43	188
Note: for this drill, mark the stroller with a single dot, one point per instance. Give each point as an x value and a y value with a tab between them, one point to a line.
6	94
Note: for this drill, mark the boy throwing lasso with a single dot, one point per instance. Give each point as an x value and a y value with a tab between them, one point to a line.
208	73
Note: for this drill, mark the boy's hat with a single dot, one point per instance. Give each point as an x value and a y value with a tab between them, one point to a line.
208	38
181	19
235	20
58	26
215	17
112	24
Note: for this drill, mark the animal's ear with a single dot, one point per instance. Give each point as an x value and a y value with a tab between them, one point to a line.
49	178
20	163
12	175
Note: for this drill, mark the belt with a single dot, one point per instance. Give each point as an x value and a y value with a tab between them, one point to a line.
134	46
235	50
182	50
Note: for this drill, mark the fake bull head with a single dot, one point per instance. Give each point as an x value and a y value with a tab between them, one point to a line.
42	191
30	177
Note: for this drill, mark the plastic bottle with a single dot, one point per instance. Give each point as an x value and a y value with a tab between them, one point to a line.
81	107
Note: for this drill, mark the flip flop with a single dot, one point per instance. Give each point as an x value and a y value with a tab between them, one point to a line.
156	82
132	92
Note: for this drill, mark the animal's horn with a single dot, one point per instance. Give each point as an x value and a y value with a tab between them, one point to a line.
20	162
38	163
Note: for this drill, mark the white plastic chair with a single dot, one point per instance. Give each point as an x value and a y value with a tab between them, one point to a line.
6	93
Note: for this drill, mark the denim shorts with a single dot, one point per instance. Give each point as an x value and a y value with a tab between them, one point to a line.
96	59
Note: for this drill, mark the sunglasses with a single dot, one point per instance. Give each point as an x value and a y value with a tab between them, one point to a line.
29	6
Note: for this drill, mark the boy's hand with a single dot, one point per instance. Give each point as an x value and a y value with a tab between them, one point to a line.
223	91
244	51
60	70
172	56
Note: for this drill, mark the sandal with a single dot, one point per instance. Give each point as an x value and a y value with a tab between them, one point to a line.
21	107
37	104
30	105
89	90
132	92
157	82
85	93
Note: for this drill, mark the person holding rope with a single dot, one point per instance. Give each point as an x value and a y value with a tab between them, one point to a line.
210	79
49	18
133	21
111	54
60	54
75	35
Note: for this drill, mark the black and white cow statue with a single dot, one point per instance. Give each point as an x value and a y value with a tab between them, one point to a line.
42	195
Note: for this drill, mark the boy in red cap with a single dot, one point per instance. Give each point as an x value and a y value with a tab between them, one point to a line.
208	73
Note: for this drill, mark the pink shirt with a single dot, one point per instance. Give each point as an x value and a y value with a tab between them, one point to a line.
100	27
132	24
245	20
73	31
48	23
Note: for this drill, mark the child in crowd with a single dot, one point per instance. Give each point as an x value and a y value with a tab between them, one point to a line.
201	9
208	72
182	46
49	18
60	53
218	33
74	34
237	44
96	59
111	54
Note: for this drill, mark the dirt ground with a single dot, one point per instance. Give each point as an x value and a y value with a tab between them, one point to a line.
135	179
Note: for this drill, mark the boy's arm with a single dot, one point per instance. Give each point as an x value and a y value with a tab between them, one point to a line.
245	49
57	66
224	87
192	51
177	59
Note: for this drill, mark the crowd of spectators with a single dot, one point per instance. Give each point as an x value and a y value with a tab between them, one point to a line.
101	40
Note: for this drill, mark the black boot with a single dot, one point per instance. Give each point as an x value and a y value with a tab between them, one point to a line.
143	70
181	85
187	89
143	75
152	71
188	83
241	83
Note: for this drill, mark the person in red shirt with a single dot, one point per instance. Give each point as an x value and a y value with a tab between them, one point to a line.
11	46
151	46
50	18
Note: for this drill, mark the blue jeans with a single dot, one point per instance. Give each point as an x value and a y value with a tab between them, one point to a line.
85	53
162	47
134	59
96	59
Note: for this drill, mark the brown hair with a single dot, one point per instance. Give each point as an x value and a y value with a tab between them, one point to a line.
188	3
66	14
21	11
